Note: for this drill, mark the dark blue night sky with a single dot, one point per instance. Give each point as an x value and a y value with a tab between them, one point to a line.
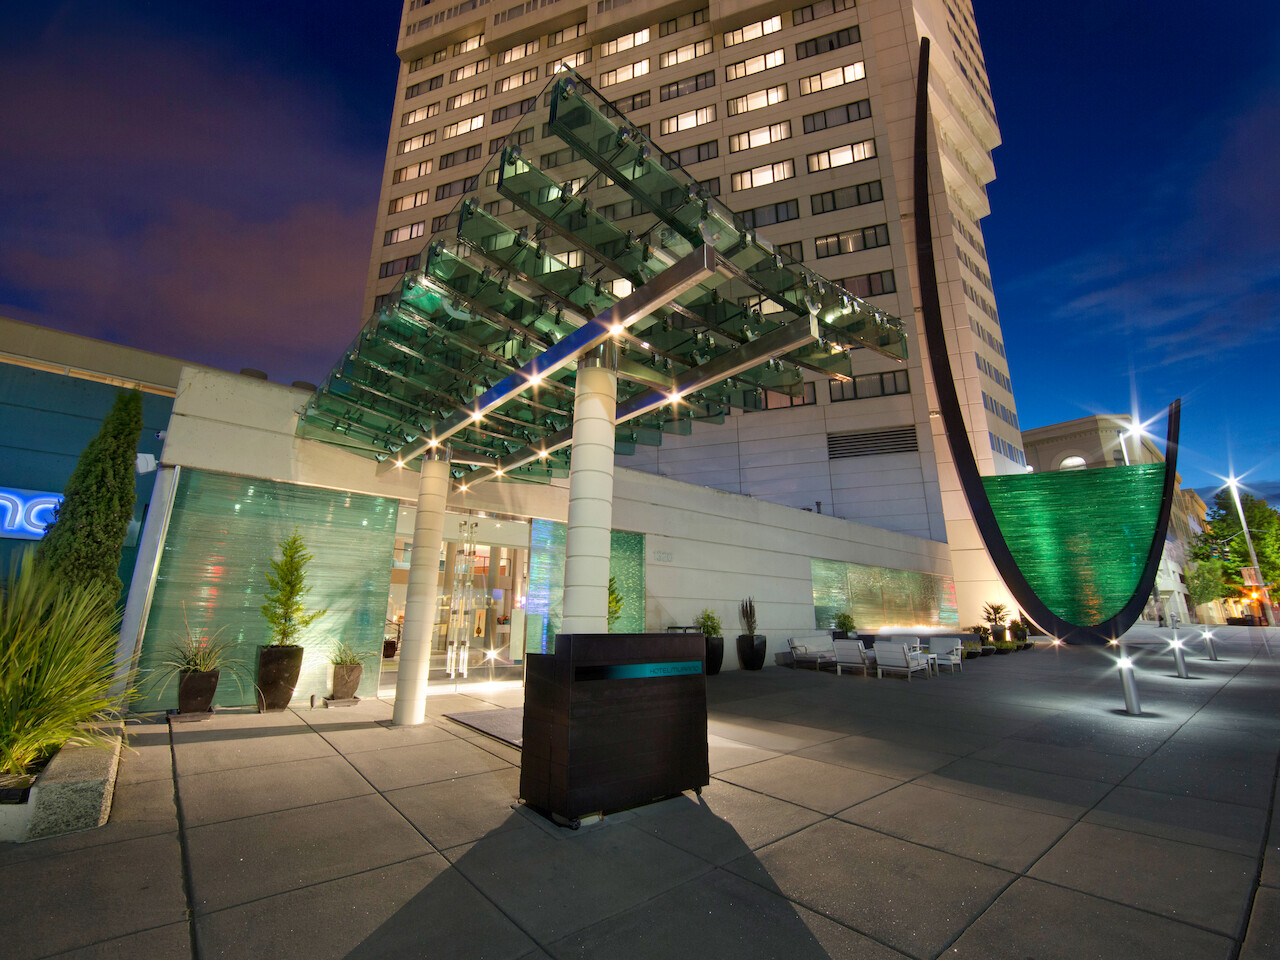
202	182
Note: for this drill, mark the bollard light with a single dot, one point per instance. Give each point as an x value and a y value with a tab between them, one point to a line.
1208	645
1129	685
1179	660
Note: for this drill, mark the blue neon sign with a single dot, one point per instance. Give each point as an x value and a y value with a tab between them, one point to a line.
25	513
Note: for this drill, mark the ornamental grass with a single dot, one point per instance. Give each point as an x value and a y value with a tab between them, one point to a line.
57	666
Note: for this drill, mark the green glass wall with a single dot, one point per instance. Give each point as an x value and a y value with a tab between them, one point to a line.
881	596
544	603
1080	537
223	532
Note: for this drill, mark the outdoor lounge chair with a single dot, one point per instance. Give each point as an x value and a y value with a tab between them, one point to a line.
816	651
949	652
852	654
896	657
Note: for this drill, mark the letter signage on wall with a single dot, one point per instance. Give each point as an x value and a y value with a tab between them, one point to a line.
25	513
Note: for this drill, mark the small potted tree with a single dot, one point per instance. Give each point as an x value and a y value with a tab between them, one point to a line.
280	660
709	625
842	626
1019	630
983	633
995	614
751	645
198	663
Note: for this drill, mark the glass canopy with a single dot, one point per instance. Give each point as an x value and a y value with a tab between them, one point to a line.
579	235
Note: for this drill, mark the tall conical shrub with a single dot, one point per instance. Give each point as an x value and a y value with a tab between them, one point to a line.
84	542
285	610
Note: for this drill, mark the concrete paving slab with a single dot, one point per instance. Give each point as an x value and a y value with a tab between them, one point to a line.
728	754
237	861
724	822
171	942
1271	856
1198	885
1224	826
357	736
503	751
880	757
394	767
719	916
145	754
1071	761
416	908
1012	838
232	741
463	809
138	810
116	889
552	886
233	794
907	896
826	787
925	736
1226	773
1262	941
769	734
1050	793
1033	919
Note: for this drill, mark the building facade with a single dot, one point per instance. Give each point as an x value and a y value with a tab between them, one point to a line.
801	119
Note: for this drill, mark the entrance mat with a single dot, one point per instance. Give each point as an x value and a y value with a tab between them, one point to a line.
505	725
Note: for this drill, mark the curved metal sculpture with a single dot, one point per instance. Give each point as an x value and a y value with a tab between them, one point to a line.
958	440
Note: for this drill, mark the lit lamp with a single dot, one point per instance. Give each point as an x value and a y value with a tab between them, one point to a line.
1130	686
1208	645
1234	484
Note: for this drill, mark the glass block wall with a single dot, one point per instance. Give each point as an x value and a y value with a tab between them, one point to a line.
880	596
1080	537
545	601
223	533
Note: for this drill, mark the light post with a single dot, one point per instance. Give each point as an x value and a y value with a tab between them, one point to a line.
1179	659
1208	645
1267	612
1129	685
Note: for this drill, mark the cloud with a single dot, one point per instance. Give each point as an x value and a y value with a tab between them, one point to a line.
164	197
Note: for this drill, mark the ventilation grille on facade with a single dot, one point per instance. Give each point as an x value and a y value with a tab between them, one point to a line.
871	443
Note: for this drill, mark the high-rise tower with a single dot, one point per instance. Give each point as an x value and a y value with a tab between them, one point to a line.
800	118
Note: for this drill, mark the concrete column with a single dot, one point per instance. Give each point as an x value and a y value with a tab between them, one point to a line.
423	589
586	548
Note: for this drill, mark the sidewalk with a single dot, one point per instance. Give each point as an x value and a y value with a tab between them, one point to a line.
1011	811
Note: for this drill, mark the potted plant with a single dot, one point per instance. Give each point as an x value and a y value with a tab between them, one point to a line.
709	626
751	645
995	615
843	626
198	664
1019	629
280	660
972	649
348	668
983	633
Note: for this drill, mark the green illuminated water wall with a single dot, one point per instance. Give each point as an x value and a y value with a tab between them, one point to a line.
1080	536
880	596
223	532
545	601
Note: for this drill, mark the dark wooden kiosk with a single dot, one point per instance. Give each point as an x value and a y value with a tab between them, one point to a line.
612	721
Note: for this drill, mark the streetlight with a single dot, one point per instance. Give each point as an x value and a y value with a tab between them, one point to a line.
1234	484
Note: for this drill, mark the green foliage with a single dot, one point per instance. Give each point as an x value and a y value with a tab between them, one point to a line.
192	654
83	543
708	623
995	614
285	611
747	610
1004	645
345	655
616	602
1225	541
844	621
1208	582
982	630
971	645
57	664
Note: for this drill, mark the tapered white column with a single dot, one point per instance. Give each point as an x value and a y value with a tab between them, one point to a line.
586	547
423	589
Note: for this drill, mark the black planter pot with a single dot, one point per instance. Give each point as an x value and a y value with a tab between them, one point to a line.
972	654
715	655
278	669
196	689
987	650
751	651
839	635
998	632
346	678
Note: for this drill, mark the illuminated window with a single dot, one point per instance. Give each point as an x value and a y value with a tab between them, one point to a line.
466	99
851	241
407	232
462	126
757	100
516	81
842	156
763	175
518	52
753	31
411	172
669	91
745	68
690	51
688	120
624	43
623	74
772	133
835	77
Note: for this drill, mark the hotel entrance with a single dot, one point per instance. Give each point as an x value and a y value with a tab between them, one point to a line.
483	582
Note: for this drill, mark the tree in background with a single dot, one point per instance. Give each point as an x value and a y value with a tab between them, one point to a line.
1207	582
83	543
1224	540
285	612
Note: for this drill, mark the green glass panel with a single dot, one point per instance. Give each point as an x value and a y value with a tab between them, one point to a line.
544	603
881	596
1080	537
223	533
